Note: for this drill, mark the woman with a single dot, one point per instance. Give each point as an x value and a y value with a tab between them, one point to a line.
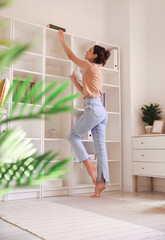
95	117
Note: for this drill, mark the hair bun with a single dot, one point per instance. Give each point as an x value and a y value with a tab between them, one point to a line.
107	54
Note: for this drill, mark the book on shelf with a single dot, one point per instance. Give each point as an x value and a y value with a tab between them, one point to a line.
4	88
103	98
24	93
55	27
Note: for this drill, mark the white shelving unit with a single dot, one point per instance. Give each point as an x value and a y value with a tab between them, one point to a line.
47	60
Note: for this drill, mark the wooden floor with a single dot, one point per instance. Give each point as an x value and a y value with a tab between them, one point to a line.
141	209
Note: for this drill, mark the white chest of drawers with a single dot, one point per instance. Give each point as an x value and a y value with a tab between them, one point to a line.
148	156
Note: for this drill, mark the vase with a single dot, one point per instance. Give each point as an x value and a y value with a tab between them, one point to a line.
148	129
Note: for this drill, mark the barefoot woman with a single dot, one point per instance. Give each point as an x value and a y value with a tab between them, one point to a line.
95	117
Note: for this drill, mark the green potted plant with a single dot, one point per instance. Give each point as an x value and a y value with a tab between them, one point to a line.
149	114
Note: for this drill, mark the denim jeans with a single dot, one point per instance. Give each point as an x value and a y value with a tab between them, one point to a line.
95	119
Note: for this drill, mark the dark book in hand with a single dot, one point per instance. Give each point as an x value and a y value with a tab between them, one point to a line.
56	27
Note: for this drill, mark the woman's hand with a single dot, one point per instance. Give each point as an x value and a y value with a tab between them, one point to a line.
61	35
73	77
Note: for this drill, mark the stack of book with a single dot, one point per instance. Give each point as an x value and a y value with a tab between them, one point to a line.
25	92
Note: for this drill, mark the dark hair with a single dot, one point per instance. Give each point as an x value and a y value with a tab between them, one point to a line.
102	55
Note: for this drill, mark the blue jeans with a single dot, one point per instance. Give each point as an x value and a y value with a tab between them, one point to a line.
95	119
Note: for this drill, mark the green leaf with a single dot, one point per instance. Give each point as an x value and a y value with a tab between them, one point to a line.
4	3
9	55
39	97
5	43
53	95
20	93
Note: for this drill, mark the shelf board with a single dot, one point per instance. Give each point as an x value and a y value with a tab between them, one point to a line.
84	186
28	104
110	85
33	139
26	71
109	70
114	161
56	76
33	54
79	109
58	59
55	188
55	139
83	110
107	141
114	113
95	161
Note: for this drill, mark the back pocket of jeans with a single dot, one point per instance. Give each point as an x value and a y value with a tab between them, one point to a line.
97	110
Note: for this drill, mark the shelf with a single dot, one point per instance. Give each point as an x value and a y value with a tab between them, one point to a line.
33	53
58	67
28	104
114	113
24	73
93	161
110	85
56	76
84	186
25	32
55	139
113	160
58	59
55	188
46	61
33	139
106	70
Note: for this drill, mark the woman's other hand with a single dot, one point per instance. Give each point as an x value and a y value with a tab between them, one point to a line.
73	77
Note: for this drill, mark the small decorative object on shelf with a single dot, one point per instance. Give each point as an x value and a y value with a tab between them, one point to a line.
113	58
90	135
55	27
150	114
158	126
53	133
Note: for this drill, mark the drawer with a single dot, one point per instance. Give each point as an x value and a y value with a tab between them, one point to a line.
154	142
149	169
156	156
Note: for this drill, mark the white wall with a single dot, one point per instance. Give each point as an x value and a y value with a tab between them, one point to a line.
147	59
118	32
81	17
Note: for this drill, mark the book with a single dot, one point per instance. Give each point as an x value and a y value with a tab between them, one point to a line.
24	93
55	27
33	97
4	88
103	98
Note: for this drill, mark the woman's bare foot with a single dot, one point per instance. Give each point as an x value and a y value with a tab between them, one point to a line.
98	189
91	168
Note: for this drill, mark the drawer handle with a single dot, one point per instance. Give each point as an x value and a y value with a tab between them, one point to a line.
142	168
141	142
142	155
